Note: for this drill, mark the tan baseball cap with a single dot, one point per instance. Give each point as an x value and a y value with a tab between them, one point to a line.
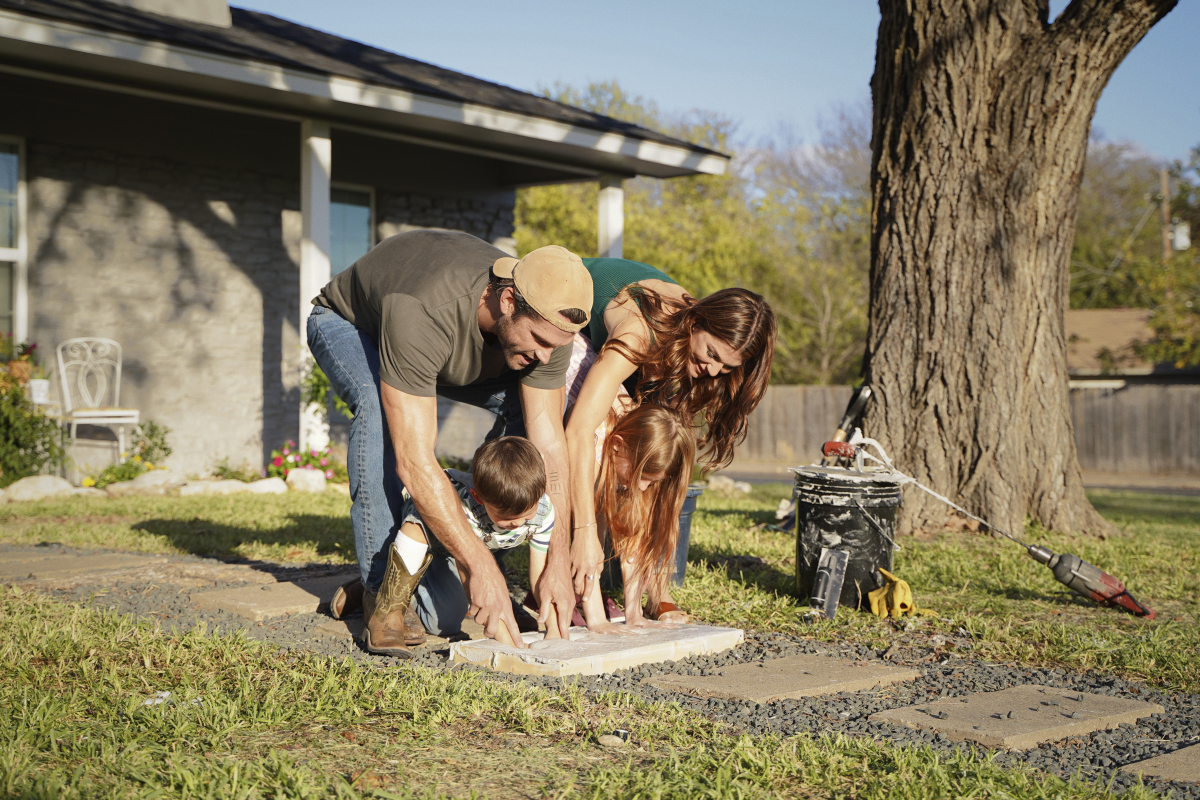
551	279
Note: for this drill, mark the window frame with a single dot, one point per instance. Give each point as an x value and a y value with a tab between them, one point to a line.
372	239
18	255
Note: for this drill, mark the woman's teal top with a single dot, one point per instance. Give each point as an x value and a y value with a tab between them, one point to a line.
609	277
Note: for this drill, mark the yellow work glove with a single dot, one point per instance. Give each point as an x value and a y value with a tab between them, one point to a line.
893	599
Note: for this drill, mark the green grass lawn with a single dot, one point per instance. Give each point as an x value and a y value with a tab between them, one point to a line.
270	724
247	721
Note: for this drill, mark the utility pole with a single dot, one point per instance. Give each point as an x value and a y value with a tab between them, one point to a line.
1166	216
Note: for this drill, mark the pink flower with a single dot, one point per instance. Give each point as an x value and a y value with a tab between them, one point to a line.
324	462
286	450
277	461
308	466
315	454
329	474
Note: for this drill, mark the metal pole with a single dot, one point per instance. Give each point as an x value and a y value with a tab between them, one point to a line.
1166	215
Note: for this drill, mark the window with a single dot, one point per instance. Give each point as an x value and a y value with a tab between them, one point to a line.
351	228
11	241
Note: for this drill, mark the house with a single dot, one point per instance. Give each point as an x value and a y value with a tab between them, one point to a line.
183	177
1130	417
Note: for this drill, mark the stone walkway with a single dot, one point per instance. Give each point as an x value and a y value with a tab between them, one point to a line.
1050	719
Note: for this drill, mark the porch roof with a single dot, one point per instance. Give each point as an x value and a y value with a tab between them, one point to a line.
269	66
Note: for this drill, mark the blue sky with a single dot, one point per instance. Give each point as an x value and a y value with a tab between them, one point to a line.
765	64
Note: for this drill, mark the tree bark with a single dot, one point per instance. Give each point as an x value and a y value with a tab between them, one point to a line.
981	119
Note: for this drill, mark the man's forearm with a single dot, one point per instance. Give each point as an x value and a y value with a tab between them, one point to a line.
441	509
543	424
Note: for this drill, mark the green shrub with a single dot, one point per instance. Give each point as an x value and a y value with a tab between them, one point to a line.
316	391
30	442
226	471
148	449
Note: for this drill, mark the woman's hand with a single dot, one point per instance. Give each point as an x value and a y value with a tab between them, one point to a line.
587	561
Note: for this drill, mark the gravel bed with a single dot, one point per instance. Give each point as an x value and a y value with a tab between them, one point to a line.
1098	756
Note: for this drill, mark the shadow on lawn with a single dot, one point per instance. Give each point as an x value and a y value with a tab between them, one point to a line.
303	532
745	570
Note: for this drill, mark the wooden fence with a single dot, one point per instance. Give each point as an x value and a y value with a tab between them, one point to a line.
1147	429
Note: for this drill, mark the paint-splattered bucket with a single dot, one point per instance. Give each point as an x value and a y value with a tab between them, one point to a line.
844	509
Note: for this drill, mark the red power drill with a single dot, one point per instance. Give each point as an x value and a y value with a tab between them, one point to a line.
1089	581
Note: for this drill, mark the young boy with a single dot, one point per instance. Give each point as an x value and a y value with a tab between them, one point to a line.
505	501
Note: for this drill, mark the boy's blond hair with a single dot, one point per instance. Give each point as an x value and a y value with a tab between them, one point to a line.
508	474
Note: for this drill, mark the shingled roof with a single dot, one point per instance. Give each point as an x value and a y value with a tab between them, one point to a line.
264	38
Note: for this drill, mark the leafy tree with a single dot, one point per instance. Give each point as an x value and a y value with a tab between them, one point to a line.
1118	237
1176	318
817	202
783	221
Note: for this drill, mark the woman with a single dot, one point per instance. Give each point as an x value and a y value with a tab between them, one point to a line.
709	360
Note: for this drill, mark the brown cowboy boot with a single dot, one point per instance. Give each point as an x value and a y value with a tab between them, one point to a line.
347	599
386	632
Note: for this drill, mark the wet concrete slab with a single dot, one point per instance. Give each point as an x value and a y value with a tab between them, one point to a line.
791	677
272	599
1183	765
588	653
1020	717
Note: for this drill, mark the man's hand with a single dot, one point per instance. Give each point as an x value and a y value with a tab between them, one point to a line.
554	590
490	604
587	560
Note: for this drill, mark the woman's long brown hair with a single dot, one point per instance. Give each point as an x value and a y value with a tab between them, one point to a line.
644	526
739	318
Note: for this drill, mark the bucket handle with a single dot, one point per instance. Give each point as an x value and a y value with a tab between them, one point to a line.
878	527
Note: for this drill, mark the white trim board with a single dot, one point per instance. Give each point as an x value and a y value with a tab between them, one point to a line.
150	55
19	255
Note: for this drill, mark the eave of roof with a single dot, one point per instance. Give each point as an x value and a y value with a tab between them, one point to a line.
254	66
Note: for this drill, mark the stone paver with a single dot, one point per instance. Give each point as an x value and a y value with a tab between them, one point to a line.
1183	765
782	678
21	565
594	654
273	599
1020	717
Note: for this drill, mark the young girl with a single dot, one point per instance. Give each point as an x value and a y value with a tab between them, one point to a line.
644	471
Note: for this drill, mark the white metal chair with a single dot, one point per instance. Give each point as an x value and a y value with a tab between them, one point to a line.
90	371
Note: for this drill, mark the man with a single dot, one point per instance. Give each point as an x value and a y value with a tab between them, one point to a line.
429	313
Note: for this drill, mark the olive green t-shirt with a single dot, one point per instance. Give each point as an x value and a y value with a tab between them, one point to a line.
417	295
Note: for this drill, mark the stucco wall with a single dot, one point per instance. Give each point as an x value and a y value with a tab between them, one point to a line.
193	269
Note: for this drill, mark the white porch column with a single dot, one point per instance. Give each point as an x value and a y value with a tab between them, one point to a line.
316	170
612	217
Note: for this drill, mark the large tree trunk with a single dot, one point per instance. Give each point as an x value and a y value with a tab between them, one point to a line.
981	119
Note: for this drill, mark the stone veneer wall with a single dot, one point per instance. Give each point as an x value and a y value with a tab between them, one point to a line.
193	269
488	219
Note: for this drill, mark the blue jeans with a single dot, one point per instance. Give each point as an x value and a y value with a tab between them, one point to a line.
350	360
